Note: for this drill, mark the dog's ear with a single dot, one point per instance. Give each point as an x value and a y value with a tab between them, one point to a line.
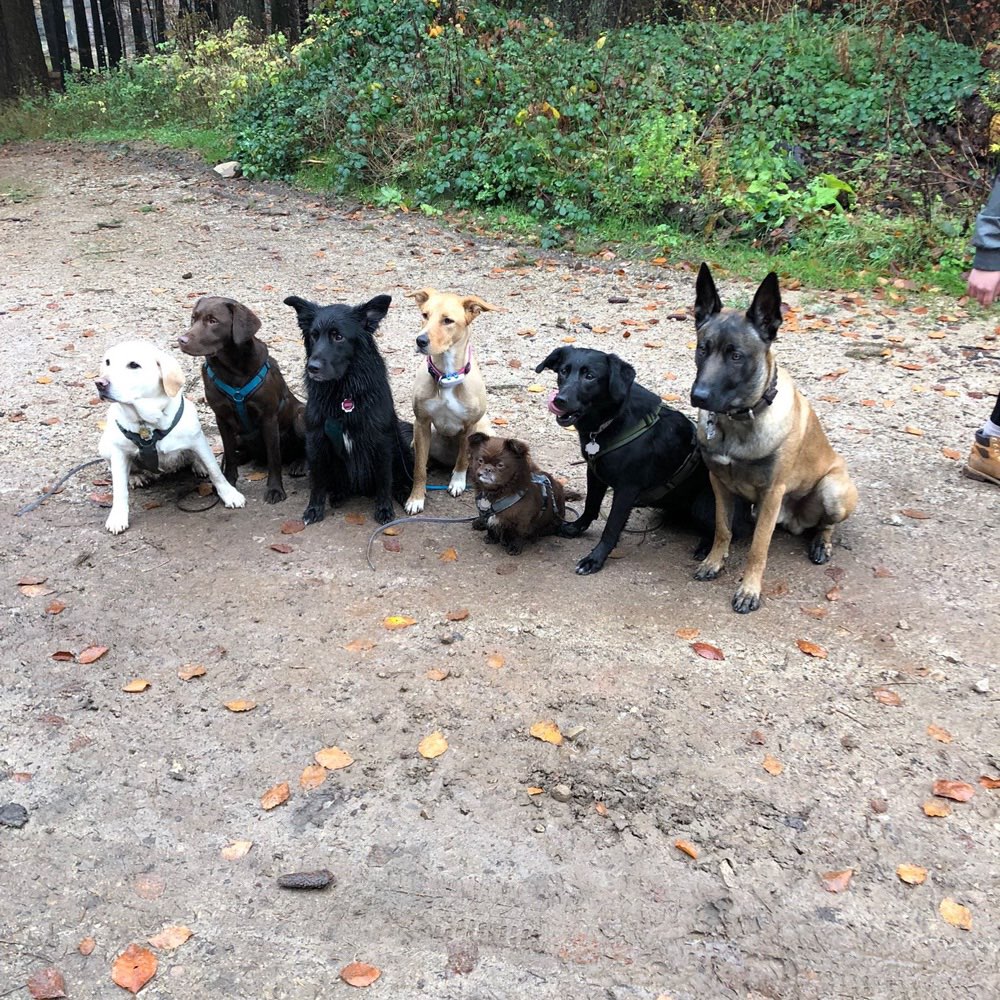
474	305
421	295
304	309
706	298
245	322
765	310
553	361
516	447
621	375
372	312
171	373
478	439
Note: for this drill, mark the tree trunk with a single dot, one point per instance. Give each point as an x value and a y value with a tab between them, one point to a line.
83	35
22	62
95	16
54	20
303	14
138	27
112	33
285	18
159	22
252	10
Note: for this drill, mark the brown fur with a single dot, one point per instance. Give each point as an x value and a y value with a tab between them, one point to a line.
501	467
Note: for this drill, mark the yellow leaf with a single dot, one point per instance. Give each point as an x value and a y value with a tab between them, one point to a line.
536	388
932	807
398	621
547	731
955	914
44	379
135	686
313	775
237	849
599	44
333	758
535	790
911	874
449	555
275	796
772	765
433	745
191	670
496	661
240	705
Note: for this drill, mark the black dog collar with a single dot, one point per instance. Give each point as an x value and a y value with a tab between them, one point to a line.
488	508
766	400
147	438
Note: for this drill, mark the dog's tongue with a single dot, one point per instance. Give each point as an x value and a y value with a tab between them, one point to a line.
552	405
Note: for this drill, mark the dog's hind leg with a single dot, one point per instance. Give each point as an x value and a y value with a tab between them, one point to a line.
838	496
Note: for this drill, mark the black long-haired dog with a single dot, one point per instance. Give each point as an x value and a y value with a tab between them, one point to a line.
355	443
634	444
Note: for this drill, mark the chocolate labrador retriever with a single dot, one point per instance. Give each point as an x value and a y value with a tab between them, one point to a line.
259	417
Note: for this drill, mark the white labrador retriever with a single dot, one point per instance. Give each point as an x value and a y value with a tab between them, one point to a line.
150	427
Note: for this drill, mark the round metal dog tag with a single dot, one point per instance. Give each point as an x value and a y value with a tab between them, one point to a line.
483	504
347	405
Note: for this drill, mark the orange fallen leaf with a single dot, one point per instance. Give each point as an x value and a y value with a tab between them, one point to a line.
915	431
63	655
813	612
133	968
240	705
960	791
911	874
936	809
953	453
883	573
91	654
432	746
833	594
687	634
989	782
276	796
499	421
449	555
35	590
312	776
333	758
171	937
292	527
496	661
392	531
534	790
137	685
458	616
359	974
191	670
360	645
86	946
939	734
916	515
886	697
547	731
236	850
354	518
811	649
47	984
836	881
955	914
257	475
600	808
707	651
31	581
283	547
772	765
688	848
435	674
398	621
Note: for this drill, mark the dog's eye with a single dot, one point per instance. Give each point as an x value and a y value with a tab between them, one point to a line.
107	362
338	337
448	321
211	319
133	364
735	356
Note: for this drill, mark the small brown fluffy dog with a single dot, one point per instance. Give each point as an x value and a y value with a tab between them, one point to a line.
516	500
449	395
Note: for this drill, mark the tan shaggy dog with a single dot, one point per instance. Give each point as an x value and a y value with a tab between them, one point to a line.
449	395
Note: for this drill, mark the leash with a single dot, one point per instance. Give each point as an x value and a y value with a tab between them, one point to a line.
409	520
52	490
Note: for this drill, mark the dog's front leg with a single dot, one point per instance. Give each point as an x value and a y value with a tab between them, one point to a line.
591	509
421	453
319	459
383	487
117	520
271	433
621	506
228	494
747	597
725	502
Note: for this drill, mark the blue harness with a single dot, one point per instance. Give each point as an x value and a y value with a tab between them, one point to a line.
241	395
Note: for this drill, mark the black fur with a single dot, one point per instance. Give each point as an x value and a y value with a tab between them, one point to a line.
595	388
361	450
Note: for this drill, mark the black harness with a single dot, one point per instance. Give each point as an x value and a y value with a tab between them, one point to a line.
147	438
488	508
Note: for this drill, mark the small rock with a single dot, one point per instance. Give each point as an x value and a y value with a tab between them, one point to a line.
539	828
450	637
562	793
903	625
895	520
318	879
849	742
572	732
187	275
982	686
177	770
229	169
13	814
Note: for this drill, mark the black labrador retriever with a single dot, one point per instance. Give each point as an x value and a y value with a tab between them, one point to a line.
633	443
355	443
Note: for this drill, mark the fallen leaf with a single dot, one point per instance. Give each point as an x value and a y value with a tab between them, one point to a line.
536	388
883	573
915	431
256	476
813	612
133	968
707	651
283	547
937	809
772	765
359	645
392	531
600	808
688	848
191	670
917	515
500	421
955	914
953	453
939	734
35	590
811	649
86	946
534	790
31	581
960	791
171	937
275	796
392	545
432	746
687	634
449	555
911	874
55	608
359	974
495	660
292	527
989	782
43	380
136	685
236	850
434	674
354	518
312	776
834	375
240	705
398	621
886	697
149	885
833	594
836	881
458	616
333	758
91	654
47	984
547	731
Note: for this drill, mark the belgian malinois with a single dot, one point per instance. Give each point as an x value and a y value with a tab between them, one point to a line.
759	437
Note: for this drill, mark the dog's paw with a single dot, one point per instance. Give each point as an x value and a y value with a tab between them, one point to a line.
313	515
384	514
414	505
275	495
820	551
457	485
745	601
232	498
116	523
570	529
479	524
137	480
708	570
702	550
514	547
298	468
589	564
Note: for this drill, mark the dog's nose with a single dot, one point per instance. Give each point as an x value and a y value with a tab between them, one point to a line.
182	341
102	383
313	366
560	403
423	342
700	397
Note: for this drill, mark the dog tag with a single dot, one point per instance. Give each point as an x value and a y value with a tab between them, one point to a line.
483	504
145	433
347	405
450	381
591	448
710	427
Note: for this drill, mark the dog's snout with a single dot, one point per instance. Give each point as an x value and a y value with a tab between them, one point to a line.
182	340
102	383
700	397
561	403
423	342
313	366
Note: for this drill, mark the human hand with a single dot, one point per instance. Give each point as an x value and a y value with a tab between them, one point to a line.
984	286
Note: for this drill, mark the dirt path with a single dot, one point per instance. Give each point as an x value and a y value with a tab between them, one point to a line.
451	877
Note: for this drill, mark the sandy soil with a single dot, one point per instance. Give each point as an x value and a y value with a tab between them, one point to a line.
451	877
